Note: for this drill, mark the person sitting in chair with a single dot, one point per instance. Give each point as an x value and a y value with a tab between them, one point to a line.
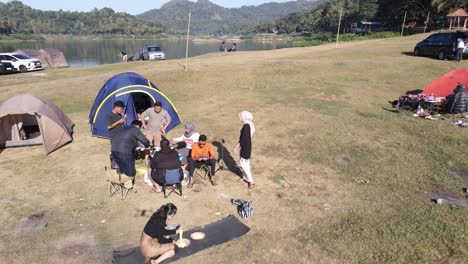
165	159
202	154
124	145
155	241
189	137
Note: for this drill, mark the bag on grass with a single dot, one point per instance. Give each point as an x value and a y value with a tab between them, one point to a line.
244	208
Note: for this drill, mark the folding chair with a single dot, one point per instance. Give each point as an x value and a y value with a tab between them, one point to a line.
203	170
173	179
118	183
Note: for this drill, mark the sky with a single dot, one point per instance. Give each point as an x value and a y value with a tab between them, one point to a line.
133	7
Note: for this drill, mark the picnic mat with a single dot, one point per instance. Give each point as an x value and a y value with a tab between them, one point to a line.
449	199
216	233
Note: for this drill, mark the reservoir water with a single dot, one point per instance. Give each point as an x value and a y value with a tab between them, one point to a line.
90	52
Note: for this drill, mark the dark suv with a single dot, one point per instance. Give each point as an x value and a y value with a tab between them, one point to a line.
440	45
6	67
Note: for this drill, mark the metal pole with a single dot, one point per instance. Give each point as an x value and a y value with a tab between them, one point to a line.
339	25
188	34
403	25
427	21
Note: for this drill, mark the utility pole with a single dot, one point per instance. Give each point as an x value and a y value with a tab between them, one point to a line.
427	21
339	26
188	34
403	25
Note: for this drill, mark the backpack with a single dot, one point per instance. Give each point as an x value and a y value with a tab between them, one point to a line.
244	208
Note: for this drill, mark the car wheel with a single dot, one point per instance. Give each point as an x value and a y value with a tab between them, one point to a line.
441	55
23	68
417	52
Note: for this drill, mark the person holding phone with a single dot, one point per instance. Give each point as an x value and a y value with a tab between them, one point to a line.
202	154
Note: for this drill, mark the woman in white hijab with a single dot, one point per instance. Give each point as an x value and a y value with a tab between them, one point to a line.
245	145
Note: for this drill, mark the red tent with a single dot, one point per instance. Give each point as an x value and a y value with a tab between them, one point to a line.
445	84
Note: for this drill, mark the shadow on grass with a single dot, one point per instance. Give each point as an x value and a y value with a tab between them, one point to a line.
391	110
225	158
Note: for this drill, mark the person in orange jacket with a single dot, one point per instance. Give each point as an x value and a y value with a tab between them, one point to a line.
202	154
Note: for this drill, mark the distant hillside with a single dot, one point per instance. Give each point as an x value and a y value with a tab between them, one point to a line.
20	18
209	18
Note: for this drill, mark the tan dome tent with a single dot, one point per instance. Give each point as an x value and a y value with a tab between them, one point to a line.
50	58
27	120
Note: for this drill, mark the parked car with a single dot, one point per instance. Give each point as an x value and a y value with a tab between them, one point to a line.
441	45
153	53
21	62
6	67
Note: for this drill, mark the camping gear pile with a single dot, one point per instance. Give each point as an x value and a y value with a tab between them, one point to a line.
447	94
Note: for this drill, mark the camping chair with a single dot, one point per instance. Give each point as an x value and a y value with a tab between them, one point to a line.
203	170
118	181
173	182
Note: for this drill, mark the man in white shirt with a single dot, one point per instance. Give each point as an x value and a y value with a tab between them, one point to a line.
460	49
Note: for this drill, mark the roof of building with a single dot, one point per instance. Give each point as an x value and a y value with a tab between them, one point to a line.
459	13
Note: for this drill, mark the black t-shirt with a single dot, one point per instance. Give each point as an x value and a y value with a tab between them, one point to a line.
245	141
156	228
111	119
127	140
165	159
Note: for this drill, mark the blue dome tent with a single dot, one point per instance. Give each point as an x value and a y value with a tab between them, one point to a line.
137	93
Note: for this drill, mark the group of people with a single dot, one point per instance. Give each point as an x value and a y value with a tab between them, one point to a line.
223	47
193	153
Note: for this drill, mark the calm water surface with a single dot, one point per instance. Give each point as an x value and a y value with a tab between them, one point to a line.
80	53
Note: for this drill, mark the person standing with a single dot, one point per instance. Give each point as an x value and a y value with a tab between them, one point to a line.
245	146
158	121
124	145
460	49
115	120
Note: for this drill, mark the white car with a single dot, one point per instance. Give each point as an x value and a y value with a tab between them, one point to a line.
21	62
153	53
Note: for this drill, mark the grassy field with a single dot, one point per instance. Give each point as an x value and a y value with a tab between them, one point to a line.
341	178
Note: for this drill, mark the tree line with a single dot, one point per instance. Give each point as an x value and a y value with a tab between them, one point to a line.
19	18
431	13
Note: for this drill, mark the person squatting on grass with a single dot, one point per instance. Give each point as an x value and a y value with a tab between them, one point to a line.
245	145
155	241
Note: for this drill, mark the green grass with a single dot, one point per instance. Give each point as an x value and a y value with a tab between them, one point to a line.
323	38
312	107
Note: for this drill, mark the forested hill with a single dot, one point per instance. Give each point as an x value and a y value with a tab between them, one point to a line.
390	13
209	18
17	17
